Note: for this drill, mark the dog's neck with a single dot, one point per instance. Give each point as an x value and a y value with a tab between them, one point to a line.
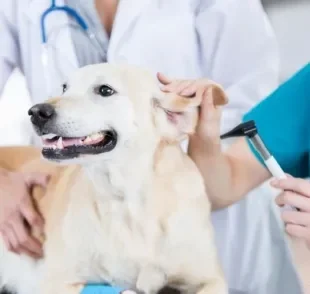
126	178
131	177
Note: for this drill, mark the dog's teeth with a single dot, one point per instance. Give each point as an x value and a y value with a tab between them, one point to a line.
96	136
88	139
92	137
59	143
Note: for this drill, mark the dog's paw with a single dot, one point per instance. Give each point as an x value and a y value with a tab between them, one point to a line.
151	280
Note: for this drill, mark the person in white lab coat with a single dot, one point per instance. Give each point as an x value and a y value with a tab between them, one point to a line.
229	41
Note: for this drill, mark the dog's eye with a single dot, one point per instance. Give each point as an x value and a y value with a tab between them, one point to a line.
105	91
64	88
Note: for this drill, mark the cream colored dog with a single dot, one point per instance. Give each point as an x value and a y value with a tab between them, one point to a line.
126	206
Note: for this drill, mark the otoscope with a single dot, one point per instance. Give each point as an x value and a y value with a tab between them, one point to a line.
248	129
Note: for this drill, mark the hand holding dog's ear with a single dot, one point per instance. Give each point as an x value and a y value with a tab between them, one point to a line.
209	96
17	212
190	88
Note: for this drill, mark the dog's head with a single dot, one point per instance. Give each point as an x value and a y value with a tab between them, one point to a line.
107	110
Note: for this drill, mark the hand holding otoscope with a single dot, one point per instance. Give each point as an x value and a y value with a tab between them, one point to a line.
249	130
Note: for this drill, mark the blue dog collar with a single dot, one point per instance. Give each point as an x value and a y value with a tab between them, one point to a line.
104	289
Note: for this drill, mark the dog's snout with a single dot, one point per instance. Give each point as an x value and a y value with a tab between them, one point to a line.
41	113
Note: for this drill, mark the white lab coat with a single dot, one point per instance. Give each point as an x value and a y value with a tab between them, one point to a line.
229	41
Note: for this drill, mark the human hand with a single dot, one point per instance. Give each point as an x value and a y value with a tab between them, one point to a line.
17	212
207	135
296	193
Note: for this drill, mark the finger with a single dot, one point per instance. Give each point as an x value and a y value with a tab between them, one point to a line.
32	247
26	251
5	238
299	186
209	122
295	200
279	199
190	90
208	109
27	242
11	239
7	243
30	214
163	79
36	179
296	218
298	231
183	85
172	88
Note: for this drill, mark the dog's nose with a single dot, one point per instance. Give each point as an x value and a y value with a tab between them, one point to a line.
41	113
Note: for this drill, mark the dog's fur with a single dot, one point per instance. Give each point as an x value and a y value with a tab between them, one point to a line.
137	216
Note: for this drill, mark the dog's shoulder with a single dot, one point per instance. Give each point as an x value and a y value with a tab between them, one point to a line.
175	170
178	184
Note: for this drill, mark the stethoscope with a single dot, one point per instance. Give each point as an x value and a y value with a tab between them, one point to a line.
81	23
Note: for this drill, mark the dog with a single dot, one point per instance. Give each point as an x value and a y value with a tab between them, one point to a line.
124	204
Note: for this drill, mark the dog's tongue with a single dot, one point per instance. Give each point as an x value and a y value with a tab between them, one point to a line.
65	142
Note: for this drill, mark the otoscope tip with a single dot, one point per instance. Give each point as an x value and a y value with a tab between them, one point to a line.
245	129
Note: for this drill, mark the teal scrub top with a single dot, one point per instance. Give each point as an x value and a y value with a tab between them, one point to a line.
283	123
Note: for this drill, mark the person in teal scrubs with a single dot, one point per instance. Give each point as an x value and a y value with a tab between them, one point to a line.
283	123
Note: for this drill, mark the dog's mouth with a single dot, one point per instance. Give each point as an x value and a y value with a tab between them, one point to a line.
57	147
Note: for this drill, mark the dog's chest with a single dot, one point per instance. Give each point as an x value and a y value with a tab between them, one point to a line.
110	241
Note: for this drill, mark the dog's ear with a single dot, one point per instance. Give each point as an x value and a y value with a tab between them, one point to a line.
182	112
